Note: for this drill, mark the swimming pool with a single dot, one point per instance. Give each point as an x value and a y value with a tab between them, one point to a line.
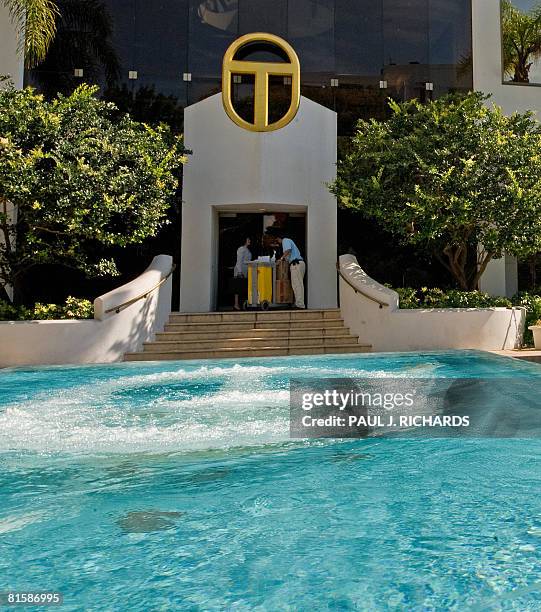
175	486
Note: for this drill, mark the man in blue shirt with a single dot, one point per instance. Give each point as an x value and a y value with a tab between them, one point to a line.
297	267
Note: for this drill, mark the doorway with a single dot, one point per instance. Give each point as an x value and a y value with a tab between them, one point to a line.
234	228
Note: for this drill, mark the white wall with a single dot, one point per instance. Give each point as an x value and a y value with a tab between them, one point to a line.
106	338
391	329
10	62
236	170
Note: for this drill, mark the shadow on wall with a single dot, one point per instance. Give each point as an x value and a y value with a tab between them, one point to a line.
104	339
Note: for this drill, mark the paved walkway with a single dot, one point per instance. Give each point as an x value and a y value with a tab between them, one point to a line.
525	354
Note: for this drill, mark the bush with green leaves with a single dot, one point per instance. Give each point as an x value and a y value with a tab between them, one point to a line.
73	308
532	303
452	298
456	178
83	177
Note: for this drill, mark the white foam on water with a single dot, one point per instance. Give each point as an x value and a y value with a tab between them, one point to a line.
221	420
244	411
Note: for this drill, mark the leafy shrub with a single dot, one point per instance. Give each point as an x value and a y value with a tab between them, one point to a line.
447	175
408	298
74	308
452	298
7	311
532	303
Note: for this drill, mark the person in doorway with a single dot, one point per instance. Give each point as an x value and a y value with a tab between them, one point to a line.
297	267
244	256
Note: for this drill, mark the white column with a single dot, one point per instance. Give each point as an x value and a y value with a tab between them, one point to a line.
197	271
11	63
500	277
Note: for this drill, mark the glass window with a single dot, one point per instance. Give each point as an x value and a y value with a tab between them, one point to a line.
161	38
95	37
359	37
263	16
450	45
405	47
311	33
403	43
405	31
121	14
213	26
160	50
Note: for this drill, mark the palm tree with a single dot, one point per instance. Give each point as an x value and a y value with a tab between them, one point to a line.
35	21
521	40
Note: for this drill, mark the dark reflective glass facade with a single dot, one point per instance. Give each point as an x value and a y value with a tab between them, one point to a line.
174	48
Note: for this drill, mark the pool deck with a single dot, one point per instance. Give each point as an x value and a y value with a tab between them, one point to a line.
525	354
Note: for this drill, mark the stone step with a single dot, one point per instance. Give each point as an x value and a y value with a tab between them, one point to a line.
268	351
235	325
252	332
272	315
248	343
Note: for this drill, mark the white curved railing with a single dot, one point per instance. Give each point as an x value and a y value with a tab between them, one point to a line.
362	303
150	280
351	272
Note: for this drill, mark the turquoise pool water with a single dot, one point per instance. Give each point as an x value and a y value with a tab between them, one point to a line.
175	486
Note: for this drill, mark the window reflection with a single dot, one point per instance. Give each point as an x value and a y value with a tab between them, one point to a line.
450	45
219	14
207	40
311	32
263	16
359	37
405	47
85	40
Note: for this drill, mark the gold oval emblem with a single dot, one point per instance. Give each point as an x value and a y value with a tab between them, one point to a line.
261	71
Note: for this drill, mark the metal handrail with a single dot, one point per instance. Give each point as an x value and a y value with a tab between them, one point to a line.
357	290
142	296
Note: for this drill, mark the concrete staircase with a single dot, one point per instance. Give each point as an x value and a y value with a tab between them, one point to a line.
251	334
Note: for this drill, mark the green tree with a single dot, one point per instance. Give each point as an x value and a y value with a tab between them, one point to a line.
35	22
521	40
448	177
82	177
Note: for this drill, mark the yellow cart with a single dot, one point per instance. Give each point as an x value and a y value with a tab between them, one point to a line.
268	285
261	278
